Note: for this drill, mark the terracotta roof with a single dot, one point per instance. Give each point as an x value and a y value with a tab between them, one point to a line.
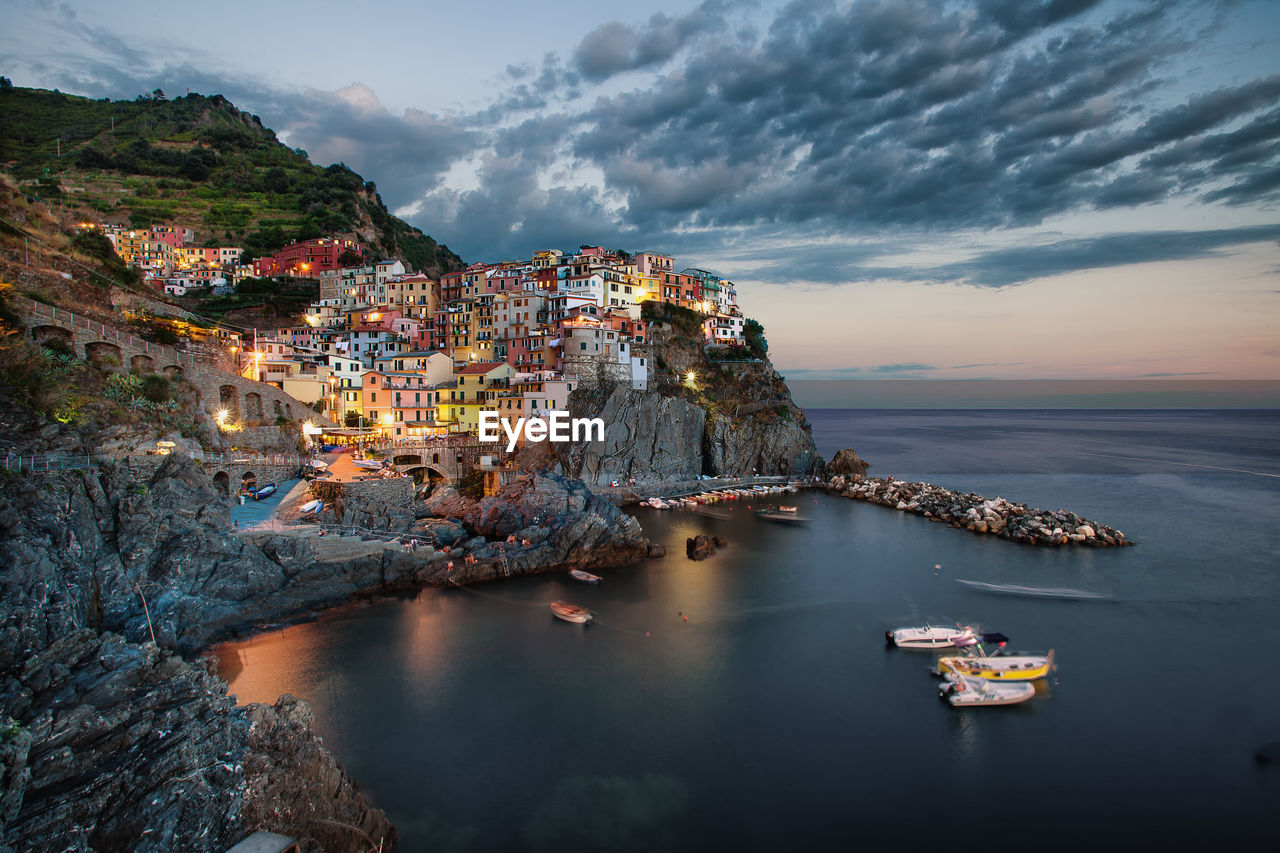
480	367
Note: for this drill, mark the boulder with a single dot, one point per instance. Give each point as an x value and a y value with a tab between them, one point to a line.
702	546
847	464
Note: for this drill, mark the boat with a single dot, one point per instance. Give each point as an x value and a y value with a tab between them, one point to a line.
311	506
786	508
963	691
585	577
367	463
263	491
1001	667
1033	591
931	637
784	517
571	612
318	464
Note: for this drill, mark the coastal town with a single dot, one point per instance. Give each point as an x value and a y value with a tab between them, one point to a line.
388	352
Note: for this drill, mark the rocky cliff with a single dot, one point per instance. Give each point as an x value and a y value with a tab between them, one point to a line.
108	742
701	415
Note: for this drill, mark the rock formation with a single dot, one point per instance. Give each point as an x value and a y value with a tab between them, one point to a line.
702	546
734	419
137	749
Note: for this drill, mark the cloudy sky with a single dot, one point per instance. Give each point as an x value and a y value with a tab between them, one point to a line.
1006	189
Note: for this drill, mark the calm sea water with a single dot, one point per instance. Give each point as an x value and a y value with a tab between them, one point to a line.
774	718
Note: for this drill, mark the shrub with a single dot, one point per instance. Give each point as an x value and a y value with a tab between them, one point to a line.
156	388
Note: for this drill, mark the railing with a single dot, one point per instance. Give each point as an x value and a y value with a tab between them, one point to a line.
75	322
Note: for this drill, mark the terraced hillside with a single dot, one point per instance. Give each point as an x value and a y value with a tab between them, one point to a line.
195	161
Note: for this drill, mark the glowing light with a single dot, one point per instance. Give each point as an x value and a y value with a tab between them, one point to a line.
221	416
691	379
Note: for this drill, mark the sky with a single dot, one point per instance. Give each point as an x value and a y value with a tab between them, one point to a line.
1009	189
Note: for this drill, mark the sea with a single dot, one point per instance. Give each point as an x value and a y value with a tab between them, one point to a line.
749	701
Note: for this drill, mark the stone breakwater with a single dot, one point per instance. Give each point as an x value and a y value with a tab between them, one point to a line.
1016	522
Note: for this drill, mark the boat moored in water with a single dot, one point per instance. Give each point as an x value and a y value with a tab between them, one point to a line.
963	691
932	637
571	612
1000	667
585	577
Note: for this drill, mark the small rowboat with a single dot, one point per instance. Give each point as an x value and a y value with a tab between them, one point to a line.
585	577
264	492
571	612
371	464
311	506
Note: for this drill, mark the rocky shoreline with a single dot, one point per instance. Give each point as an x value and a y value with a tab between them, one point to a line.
112	737
987	516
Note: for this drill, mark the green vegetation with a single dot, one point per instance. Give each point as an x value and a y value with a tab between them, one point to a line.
199	162
684	321
753	333
284	298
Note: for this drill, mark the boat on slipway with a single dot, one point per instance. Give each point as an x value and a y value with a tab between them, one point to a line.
963	691
997	667
571	612
263	491
932	637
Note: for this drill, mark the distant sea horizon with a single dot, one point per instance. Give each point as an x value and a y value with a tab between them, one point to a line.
1034	393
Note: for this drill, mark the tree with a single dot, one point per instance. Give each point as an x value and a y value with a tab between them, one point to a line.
6	83
157	95
753	333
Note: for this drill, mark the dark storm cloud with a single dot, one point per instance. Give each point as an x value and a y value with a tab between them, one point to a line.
615	47
852	124
1004	267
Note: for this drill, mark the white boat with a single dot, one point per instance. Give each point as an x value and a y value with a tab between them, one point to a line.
367	463
585	577
931	637
318	464
311	506
964	691
571	612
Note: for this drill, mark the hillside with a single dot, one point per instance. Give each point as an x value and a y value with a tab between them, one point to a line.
195	161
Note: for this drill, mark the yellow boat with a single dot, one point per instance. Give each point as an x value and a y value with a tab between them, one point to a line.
998	667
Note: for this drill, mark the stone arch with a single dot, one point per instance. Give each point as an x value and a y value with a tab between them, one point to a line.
427	474
253	406
248	480
172	372
407	459
435	458
222	482
141	363
278	408
229	398
40	334
288	411
102	353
